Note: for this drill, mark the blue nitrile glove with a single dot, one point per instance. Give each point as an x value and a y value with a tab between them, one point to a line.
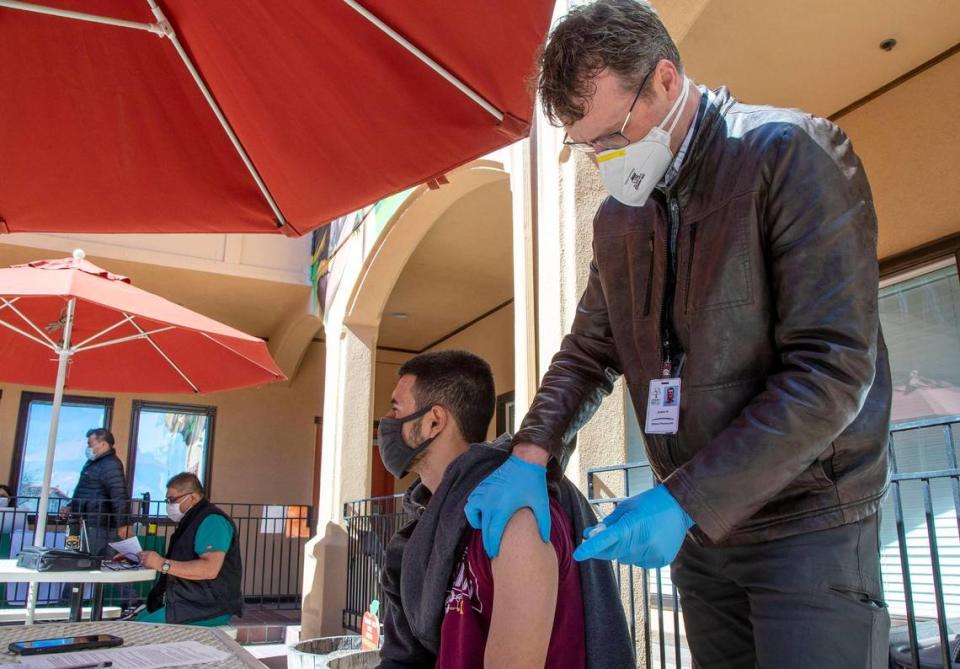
646	530
514	485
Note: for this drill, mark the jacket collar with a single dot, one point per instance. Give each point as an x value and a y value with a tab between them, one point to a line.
194	510
714	106
110	451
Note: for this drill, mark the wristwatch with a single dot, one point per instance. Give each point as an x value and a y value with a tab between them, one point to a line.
166	567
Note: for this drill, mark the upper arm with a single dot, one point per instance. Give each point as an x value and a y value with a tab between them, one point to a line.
214	562
215	534
823	235
116	483
525	576
212	541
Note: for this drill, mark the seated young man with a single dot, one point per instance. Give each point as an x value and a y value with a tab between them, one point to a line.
448	604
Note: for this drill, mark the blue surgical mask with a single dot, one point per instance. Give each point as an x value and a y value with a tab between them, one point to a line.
89	453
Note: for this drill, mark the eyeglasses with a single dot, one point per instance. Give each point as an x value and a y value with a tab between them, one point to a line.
615	140
173	500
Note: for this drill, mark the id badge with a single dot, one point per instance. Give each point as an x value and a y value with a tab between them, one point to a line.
663	407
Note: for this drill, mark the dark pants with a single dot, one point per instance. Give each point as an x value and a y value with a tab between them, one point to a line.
812	601
97	542
98	538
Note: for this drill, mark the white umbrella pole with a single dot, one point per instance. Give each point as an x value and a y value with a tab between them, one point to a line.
43	507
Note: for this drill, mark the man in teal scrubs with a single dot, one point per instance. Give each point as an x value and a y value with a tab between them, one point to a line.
201	575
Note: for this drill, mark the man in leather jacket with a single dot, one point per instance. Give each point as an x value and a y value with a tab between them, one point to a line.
735	260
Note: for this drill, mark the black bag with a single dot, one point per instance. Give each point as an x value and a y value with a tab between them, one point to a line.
42	558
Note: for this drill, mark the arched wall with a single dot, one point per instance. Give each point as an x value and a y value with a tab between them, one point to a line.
404	232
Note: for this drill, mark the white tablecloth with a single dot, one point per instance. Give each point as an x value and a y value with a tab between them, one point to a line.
134	634
16	595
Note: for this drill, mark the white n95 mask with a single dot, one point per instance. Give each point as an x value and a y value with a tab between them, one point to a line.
630	174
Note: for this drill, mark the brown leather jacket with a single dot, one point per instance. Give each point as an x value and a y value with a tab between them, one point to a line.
786	390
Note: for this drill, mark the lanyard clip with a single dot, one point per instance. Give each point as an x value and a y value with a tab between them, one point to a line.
667	368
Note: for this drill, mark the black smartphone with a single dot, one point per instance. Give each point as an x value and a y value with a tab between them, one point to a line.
65	644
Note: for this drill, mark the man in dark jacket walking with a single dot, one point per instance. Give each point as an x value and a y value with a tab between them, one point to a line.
101	499
734	263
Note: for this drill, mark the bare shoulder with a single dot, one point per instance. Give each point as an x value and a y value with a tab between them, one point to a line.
521	540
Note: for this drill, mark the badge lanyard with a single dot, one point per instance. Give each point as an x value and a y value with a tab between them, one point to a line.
663	402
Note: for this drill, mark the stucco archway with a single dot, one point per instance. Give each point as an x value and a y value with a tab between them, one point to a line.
404	232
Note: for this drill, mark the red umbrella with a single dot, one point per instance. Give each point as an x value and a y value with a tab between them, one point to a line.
69	324
298	112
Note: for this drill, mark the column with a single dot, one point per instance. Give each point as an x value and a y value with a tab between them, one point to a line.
569	191
345	472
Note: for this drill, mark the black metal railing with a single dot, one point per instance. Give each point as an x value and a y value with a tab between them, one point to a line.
649	598
920	552
271	538
370	523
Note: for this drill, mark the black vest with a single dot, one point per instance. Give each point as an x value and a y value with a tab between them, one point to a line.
189	601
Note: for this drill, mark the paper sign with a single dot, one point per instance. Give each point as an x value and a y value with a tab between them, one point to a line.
272	519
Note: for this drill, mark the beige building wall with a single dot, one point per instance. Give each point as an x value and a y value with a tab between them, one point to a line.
491	339
909	140
264	438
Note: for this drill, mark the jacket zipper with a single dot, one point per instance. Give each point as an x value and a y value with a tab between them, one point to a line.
646	299
669	289
666	328
693	247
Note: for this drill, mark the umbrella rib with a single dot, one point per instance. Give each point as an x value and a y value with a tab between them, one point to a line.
170	362
163	28
427	60
127	319
8	304
248	359
123	340
5	324
82	16
170	34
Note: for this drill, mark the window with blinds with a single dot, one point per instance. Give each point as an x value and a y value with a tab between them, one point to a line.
920	315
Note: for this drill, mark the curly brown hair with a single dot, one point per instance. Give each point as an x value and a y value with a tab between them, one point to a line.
624	36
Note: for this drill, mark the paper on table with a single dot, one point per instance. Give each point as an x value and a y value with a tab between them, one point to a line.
153	656
128	548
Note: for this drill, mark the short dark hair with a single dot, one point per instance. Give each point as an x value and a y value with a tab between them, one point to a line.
460	382
187	482
625	36
101	434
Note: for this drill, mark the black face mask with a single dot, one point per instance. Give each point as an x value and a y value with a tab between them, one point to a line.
394	452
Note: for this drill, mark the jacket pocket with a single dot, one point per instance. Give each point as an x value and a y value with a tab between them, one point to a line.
626	273
722	277
815	477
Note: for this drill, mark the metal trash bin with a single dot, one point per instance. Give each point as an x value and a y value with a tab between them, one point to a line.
323	652
368	659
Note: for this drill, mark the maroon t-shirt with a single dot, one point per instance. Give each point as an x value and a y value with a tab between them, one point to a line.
466	624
